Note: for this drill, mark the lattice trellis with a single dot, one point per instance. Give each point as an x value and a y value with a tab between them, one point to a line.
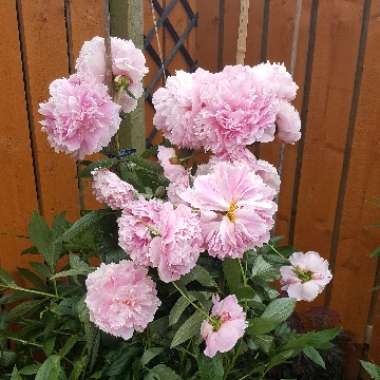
179	47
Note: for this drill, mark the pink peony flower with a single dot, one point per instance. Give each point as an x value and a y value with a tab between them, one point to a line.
234	113
306	277
288	123
274	79
110	189
176	105
226	327
136	229
175	172
236	209
176	249
121	298
79	117
128	67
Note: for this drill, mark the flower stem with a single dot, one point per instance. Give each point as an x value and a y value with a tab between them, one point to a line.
274	249
24	341
243	273
32	291
184	295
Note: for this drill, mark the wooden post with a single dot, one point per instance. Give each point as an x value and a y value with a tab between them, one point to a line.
127	21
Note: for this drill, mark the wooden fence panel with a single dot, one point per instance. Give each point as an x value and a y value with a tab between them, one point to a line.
18	197
46	58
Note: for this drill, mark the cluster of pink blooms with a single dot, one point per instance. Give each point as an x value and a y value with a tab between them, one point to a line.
226	111
80	118
306	277
225	208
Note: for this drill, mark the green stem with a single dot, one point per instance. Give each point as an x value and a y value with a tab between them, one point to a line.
184	295
243	273
32	291
24	342
274	249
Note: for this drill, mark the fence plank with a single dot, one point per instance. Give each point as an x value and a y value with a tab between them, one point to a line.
46	57
255	27
280	32
18	197
354	268
329	106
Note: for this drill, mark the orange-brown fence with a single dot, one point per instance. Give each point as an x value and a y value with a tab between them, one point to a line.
331	178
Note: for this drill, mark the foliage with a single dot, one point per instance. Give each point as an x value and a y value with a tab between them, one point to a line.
51	337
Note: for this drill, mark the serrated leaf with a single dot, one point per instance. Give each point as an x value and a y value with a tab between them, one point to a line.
280	309
314	356
150	354
189	328
232	274
372	369
50	369
162	372
258	326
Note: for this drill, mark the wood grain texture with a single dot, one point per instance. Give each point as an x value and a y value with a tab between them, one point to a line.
355	270
46	57
18	197
332	83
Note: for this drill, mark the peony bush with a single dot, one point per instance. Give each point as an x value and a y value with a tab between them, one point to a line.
177	277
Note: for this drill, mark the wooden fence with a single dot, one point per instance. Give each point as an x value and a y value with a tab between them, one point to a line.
331	178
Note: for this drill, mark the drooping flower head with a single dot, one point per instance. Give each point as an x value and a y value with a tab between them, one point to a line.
236	209
288	123
79	118
176	249
128	67
111	190
136	229
121	298
227	326
306	277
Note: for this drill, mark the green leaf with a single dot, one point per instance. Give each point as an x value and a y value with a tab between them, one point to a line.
78	267
280	309
83	224
33	278
15	374
372	369
41	237
178	309
314	356
211	369
189	328
69	344
23	309
232	273
78	368
316	339
150	354
6	278
245	293
262	268
264	342
50	369
31	369
48	345
105	163
7	358
42	269
162	372
258	326
375	252
200	275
